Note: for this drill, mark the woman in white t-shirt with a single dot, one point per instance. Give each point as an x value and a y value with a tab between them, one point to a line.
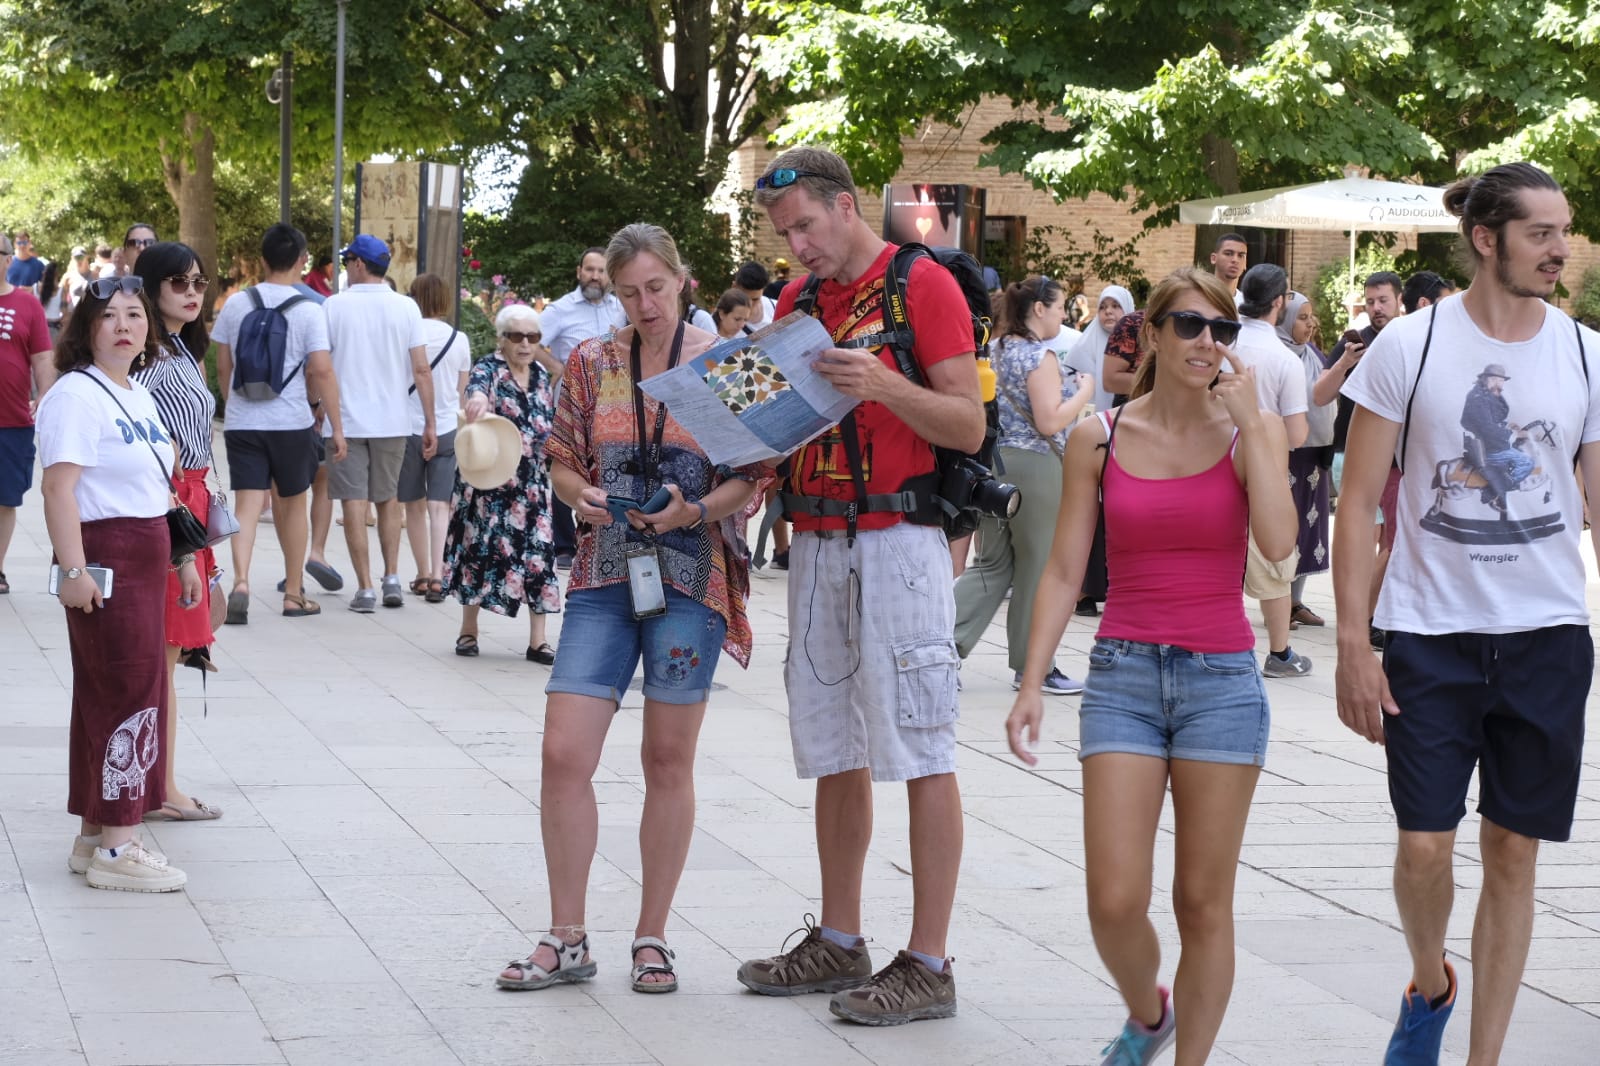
108	464
426	484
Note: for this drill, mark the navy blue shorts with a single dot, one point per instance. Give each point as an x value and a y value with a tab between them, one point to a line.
16	464
1509	705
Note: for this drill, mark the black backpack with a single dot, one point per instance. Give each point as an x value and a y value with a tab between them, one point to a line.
260	349
931	493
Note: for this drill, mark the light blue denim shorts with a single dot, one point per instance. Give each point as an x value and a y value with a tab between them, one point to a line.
602	643
1171	703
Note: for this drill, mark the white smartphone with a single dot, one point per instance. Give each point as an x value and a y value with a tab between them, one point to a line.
645	589
100	575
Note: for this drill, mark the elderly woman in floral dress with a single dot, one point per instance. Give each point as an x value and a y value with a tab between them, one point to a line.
500	550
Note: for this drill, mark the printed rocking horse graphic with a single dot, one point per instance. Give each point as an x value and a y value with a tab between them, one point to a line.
1503	469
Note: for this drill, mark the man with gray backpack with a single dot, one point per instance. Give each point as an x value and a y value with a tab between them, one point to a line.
272	352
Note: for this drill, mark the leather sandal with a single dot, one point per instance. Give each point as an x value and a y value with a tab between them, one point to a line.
572	965
299	606
467	644
645	969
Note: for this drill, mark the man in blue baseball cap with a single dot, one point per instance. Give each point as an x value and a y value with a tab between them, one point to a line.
379	352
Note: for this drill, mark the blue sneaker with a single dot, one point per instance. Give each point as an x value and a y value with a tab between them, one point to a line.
1420	1030
1137	1045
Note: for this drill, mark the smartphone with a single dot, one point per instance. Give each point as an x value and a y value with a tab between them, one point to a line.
100	575
646	593
1353	336
619	506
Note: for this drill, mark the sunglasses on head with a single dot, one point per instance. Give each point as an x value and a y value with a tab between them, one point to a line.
516	337
785	177
1188	324
182	283
106	288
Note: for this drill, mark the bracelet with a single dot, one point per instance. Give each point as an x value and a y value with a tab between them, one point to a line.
182	560
701	504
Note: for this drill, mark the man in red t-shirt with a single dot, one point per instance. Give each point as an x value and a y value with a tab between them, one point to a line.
25	366
871	674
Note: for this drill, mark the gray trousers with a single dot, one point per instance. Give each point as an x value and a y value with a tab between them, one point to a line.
1011	555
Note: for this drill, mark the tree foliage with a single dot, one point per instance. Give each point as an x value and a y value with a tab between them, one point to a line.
1207	96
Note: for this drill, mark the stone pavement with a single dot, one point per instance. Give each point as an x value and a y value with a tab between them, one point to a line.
379	861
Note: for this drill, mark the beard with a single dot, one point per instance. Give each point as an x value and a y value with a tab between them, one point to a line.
593	291
1502	274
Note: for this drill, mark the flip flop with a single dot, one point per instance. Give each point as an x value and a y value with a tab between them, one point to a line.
303	608
171	812
238	609
326	575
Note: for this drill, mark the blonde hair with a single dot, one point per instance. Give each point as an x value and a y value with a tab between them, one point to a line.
1166	294
632	241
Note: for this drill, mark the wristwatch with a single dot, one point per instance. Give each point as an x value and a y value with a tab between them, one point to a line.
72	572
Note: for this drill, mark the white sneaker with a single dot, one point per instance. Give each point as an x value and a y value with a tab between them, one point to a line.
82	853
135	869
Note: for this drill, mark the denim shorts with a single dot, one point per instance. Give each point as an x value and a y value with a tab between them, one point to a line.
602	643
1171	703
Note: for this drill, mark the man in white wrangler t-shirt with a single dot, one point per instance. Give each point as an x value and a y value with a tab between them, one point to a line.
1281	389
379	353
1484	399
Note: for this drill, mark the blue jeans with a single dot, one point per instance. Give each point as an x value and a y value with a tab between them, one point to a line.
1518	465
602	643
1171	703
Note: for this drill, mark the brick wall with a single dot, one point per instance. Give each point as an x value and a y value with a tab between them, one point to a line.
947	154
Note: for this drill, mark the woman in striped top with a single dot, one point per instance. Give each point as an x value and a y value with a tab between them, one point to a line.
176	281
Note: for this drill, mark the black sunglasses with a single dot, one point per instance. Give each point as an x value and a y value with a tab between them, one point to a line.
106	288
180	283
516	337
1188	324
138	242
785	177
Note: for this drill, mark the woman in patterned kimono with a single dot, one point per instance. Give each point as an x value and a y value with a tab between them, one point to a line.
1311	464
499	552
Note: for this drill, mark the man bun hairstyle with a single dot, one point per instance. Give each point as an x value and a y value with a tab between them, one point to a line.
1492	199
1262	284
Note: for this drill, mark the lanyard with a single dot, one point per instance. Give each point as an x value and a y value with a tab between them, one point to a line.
650	452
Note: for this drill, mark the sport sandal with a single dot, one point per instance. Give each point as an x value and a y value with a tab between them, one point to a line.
570	966
644	969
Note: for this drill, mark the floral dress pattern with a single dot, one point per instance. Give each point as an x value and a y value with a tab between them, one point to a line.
499	551
1013	359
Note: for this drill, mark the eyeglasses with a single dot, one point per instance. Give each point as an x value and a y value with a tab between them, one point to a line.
180	283
785	177
23	242
1187	325
517	338
106	288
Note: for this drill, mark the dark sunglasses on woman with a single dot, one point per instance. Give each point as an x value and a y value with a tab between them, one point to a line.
182	283
105	288
1188	324
517	338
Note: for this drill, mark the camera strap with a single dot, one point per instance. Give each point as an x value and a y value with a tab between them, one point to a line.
650	450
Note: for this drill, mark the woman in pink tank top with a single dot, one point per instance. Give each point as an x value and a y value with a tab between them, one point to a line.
1188	469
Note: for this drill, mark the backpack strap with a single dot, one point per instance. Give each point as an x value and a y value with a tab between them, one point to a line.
448	341
1405	422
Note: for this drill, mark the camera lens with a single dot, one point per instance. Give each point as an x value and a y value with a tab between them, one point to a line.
996	498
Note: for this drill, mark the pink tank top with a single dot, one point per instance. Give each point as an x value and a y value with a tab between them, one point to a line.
1175	553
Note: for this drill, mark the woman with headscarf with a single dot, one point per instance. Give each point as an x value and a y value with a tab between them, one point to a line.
1311	464
1087	356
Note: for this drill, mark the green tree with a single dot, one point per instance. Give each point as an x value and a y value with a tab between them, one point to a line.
627	112
1205	96
171	89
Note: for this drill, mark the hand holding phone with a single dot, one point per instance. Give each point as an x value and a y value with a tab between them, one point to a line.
86	591
619	506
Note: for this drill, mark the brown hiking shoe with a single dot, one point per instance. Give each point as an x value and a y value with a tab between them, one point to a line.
815	964
903	991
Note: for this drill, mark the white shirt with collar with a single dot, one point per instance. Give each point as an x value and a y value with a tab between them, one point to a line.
571	320
1280	377
371	331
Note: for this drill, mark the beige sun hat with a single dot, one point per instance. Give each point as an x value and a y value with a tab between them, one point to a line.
488	451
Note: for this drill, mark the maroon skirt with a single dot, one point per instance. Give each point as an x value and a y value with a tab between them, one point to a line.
116	762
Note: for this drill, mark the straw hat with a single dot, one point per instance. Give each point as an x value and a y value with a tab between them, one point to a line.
488	451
